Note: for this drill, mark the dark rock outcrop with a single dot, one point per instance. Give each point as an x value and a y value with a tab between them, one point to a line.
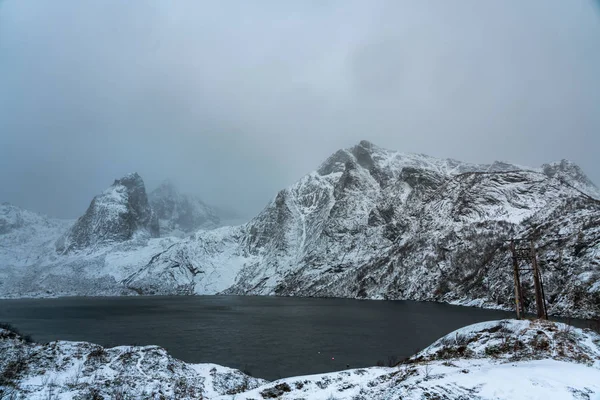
116	215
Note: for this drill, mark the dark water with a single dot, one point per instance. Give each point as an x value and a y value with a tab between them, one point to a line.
267	336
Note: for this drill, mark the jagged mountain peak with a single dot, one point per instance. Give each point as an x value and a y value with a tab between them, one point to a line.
571	173
380	161
131	180
116	215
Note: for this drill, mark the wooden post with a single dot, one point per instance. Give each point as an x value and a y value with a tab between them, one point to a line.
544	297
539	300
518	295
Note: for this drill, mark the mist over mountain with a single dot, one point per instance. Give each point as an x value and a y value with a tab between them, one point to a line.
236	101
169	171
367	223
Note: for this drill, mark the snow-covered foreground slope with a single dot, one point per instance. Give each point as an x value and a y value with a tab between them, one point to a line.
494	360
368	223
81	370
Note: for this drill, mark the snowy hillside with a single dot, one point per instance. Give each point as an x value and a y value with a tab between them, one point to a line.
81	370
372	223
25	236
368	223
44	257
180	214
493	360
506	359
573	175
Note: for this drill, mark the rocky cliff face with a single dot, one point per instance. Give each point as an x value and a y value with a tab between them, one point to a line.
181	214
372	223
114	216
368	223
571	174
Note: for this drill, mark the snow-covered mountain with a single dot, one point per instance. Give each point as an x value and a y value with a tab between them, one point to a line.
26	237
41	256
180	214
374	223
117	215
573	175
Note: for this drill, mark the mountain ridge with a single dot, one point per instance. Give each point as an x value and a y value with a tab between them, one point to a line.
374	223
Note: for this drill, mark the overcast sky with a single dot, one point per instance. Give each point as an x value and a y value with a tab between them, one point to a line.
234	100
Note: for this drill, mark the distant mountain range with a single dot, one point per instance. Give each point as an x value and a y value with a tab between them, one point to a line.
368	223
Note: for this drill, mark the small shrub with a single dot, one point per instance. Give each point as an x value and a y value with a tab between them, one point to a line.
243	387
97	353
183	388
118	393
276	391
403	373
447	352
427	372
494	351
94	394
127	355
8	393
12	371
541	343
73	381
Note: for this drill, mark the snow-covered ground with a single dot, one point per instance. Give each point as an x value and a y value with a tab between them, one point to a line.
81	370
505	359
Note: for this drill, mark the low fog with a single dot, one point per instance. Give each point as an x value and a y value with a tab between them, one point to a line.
235	100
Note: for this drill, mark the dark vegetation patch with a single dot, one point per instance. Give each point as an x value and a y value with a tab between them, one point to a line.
12	371
98	354
15	333
276	391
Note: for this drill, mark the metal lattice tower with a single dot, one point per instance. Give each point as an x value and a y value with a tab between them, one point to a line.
527	254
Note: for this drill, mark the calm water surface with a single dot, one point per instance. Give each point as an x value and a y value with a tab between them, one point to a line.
270	337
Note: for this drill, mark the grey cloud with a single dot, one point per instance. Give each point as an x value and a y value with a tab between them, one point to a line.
236	100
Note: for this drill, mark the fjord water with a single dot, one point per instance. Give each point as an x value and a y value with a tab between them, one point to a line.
270	337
